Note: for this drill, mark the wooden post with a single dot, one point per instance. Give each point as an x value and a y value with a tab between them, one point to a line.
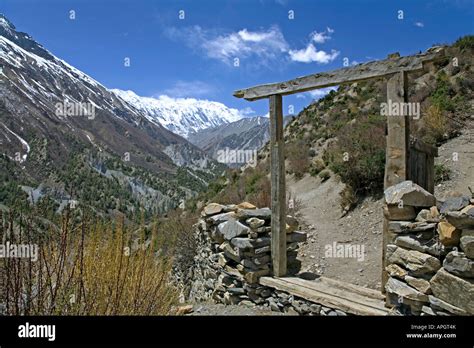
277	166
398	133
398	146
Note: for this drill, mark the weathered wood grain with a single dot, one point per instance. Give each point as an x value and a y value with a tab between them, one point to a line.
352	74
278	193
329	294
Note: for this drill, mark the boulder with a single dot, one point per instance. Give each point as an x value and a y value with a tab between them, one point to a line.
401	289
467	245
454	204
231	229
263	213
263	250
428	215
230	299
220	218
255	223
291	224
246	205
440	305
418	264
246	244
417	243
252	277
457	263
463	219
230	207
232	272
186	309
403	213
456	291
230	252
297	237
409	193
263	229
448	234
212	208
396	271
427	310
262	260
408	227
419	284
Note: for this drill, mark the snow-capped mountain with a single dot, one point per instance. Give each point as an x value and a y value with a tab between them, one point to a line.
183	116
59	125
250	133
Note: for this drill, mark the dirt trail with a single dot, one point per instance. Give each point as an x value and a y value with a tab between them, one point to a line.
462	170
320	217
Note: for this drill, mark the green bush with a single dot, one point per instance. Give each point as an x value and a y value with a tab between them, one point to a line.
359	154
442	173
324	175
297	154
443	94
465	42
316	167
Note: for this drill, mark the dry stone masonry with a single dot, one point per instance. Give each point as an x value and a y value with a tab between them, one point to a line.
430	254
234	251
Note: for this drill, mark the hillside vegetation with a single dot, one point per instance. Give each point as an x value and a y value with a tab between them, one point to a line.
343	134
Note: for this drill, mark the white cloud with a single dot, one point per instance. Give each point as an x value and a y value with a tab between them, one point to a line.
419	24
265	44
311	54
247	112
183	89
321	37
317	93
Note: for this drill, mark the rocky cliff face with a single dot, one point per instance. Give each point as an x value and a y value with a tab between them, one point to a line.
55	121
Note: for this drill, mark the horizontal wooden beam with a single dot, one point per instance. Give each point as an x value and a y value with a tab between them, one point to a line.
356	73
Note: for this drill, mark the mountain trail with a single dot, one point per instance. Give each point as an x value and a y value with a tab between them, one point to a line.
320	216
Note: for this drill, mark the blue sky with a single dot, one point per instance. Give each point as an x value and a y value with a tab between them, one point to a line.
195	56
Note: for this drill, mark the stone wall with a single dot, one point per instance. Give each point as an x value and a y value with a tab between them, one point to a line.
234	251
430	254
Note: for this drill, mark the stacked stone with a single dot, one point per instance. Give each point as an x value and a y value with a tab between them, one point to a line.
235	244
430	255
280	301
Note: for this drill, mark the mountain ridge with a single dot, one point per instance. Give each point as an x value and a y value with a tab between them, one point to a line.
49	139
182	116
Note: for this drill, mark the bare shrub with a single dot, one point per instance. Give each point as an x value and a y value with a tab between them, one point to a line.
297	154
90	268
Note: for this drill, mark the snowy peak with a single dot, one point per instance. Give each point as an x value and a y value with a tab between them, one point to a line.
183	116
5	23
23	40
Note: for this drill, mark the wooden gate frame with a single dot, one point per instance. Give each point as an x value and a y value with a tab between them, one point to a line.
395	68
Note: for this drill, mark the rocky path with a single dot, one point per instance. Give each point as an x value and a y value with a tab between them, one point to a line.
462	169
320	216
